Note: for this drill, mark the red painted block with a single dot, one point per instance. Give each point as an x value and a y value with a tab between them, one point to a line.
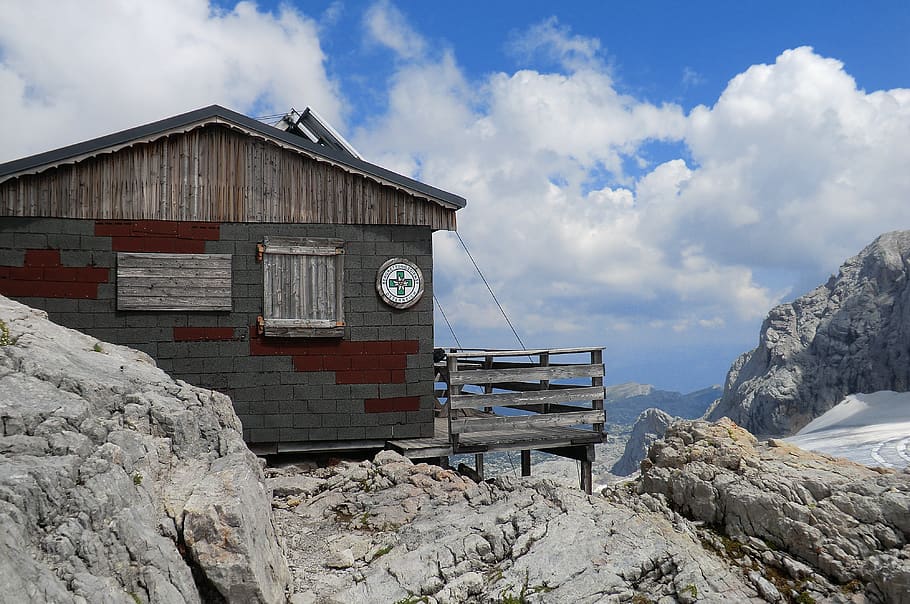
350	348
263	347
365	362
336	363
381	347
389	405
206	231
42	257
113	228
16	288
26	273
219	333
154	227
350	377
396	376
4	272
405	347
392	361
189	334
309	363
62	274
92	274
316	348
374	376
187	246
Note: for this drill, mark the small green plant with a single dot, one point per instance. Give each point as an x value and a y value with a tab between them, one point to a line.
412	599
383	551
523	593
97	347
137	479
135	598
804	598
692	589
5	340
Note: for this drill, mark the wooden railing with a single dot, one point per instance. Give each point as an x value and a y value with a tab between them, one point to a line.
505	379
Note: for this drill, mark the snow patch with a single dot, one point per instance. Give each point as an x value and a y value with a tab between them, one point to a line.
872	429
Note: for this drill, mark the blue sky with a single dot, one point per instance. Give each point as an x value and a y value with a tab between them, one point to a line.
648	176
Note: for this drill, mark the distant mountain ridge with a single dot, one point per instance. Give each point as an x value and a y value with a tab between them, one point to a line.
625	402
850	335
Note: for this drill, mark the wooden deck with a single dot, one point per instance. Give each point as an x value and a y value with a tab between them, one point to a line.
561	418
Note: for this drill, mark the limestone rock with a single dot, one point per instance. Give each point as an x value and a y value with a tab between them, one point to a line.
650	426
444	539
117	482
813	516
850	335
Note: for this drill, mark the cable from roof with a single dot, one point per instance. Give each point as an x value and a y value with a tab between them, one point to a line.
490	289
439	305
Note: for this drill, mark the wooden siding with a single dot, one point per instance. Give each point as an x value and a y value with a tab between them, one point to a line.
173	281
215	174
302	289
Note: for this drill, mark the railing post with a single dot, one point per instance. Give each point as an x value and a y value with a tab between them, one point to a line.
451	369
597	358
488	387
478	464
544	359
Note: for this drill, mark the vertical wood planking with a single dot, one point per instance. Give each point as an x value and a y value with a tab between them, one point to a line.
215	174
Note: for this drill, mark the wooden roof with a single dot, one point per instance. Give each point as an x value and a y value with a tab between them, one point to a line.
217	165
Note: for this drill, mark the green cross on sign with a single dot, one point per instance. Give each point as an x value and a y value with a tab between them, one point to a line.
399	283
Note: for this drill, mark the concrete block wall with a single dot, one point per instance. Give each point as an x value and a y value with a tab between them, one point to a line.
375	383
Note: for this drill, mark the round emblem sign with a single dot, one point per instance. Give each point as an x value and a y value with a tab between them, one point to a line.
399	283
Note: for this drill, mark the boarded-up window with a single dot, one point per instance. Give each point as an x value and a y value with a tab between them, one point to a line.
302	289
173	281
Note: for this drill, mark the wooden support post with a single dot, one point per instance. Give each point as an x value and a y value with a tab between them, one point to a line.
583	453
525	462
586	477
478	464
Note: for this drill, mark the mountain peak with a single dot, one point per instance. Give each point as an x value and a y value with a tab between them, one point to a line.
850	335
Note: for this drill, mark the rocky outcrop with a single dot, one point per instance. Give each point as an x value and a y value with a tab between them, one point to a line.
847	336
650	426
827	527
119	484
388	530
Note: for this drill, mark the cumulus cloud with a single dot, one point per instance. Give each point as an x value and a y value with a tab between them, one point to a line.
792	170
75	70
554	42
385	25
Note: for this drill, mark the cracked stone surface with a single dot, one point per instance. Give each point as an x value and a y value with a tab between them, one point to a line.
825	526
118	484
422	531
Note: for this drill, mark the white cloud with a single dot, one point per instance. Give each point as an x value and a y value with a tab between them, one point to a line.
555	42
794	169
75	70
386	25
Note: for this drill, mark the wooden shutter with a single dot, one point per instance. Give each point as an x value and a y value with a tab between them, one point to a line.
302	287
173	281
